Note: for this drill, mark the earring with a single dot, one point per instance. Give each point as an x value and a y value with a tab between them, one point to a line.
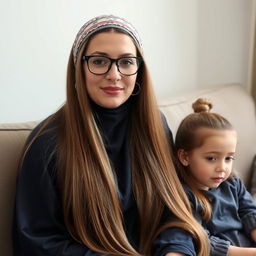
137	91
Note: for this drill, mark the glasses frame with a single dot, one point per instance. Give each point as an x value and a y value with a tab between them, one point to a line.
138	59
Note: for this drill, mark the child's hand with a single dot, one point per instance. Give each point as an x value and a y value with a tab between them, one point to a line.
238	251
253	235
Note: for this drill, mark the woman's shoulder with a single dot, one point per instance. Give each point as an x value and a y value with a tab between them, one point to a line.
40	152
43	137
167	128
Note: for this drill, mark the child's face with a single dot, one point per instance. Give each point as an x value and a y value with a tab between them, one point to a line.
211	163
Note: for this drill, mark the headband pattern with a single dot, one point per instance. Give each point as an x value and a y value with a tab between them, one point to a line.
101	22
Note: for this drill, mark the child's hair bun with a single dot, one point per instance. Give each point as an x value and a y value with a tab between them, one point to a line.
202	105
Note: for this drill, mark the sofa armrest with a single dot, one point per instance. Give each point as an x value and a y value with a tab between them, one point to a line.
12	140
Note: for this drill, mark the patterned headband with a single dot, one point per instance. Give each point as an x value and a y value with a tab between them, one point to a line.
101	22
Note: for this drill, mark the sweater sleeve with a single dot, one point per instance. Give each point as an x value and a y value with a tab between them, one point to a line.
218	247
174	240
38	227
247	207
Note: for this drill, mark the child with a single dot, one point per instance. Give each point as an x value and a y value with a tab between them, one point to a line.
205	147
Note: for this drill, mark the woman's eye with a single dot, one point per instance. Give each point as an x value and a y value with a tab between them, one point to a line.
98	62
126	62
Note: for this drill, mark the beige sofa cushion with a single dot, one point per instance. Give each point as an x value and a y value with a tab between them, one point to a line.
233	102
12	139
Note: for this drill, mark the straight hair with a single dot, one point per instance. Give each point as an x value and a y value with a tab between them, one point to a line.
89	191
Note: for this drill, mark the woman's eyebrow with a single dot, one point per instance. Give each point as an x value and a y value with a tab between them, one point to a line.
99	53
105	54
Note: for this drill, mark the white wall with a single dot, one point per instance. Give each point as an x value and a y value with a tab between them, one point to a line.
225	35
187	43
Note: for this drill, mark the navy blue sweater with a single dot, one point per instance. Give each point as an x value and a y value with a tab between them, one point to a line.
39	229
233	216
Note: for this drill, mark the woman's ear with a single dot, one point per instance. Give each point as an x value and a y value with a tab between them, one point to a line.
183	157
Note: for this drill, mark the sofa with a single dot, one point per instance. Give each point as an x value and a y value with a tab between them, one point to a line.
230	100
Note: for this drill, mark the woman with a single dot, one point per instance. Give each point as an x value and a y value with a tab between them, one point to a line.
97	176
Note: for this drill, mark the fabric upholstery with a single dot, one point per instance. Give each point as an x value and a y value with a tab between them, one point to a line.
232	101
12	139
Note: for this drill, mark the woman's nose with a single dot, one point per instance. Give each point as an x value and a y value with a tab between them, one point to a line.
113	73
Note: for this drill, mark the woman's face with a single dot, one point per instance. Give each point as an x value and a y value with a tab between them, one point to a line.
112	89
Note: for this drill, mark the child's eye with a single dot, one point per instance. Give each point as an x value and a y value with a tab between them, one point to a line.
211	158
230	158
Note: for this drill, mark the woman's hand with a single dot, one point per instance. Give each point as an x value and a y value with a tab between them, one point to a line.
239	251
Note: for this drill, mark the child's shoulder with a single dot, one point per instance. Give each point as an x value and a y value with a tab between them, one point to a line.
232	185
186	187
235	182
189	192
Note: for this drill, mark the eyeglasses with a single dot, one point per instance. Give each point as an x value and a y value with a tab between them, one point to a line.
100	65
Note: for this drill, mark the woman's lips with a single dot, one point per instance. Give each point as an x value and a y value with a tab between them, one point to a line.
112	90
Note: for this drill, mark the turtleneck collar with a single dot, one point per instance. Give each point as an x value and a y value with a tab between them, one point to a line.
120	109
111	120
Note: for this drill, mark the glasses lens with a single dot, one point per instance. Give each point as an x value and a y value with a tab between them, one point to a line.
128	65
98	64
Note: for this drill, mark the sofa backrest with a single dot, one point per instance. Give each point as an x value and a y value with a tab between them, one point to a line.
12	139
233	102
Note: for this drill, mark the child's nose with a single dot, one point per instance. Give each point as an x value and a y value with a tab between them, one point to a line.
222	166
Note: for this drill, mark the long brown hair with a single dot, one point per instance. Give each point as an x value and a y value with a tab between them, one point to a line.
91	206
188	138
